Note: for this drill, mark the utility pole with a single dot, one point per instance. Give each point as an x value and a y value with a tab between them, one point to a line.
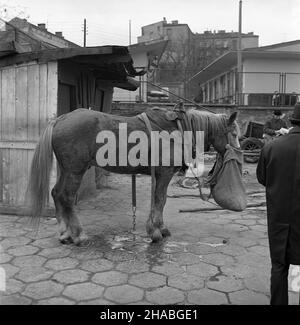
130	32
239	58
84	33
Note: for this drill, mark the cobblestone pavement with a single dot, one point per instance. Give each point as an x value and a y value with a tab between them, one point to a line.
215	257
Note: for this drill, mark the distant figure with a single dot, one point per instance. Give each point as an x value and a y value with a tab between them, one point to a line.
274	126
199	97
276	99
294	99
278	170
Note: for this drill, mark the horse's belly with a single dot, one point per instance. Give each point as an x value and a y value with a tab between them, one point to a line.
128	170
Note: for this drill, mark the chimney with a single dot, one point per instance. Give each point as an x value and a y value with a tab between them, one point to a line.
59	34
42	26
174	22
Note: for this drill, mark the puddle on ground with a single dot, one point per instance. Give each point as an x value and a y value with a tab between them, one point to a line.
213	245
139	246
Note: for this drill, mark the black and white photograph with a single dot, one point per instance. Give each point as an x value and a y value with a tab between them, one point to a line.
149	155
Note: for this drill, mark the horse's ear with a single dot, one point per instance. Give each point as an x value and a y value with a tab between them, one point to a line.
232	118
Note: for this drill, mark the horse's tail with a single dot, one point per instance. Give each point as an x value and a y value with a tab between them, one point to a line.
39	179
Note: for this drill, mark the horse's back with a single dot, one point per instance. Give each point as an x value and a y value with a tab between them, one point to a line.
75	134
83	122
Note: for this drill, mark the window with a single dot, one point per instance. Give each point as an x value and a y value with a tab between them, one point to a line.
234	44
219	43
223	90
216	89
169	32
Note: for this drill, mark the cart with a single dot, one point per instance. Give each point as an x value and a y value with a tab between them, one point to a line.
252	141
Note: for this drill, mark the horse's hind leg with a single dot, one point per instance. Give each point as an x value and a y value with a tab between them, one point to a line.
62	227
155	224
66	199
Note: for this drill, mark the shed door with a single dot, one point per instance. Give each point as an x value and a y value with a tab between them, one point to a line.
66	98
28	94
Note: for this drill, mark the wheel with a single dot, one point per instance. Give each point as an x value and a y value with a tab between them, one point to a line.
252	145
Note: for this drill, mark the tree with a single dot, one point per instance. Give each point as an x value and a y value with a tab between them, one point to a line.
11	10
177	64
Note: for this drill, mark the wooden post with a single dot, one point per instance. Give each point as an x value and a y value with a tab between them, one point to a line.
84	33
133	184
133	190
129	32
239	57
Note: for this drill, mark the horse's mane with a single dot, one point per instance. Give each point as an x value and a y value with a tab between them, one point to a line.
212	124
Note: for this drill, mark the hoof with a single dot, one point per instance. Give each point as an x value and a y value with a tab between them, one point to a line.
165	232
156	236
66	240
82	240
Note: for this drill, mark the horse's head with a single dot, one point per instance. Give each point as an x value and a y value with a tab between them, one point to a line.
228	133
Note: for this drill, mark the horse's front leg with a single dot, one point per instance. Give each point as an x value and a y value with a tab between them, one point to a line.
155	224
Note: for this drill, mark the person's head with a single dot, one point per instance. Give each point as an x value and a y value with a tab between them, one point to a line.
295	117
277	113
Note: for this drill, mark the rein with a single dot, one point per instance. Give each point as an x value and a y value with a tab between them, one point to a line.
213	174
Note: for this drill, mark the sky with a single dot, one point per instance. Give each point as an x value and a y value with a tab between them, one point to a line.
108	21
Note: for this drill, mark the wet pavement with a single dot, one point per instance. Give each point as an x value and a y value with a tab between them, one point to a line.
212	257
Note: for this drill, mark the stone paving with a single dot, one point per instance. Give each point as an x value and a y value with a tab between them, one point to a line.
214	257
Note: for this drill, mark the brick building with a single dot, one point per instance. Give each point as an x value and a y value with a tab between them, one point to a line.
189	52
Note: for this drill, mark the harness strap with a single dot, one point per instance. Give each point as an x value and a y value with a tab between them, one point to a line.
145	119
181	127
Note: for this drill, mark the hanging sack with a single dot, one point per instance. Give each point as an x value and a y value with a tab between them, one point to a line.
226	182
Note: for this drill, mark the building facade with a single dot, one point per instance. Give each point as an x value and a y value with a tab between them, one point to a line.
38	33
164	30
188	52
210	45
267	72
146	57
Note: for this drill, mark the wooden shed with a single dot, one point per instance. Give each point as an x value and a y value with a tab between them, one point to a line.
37	86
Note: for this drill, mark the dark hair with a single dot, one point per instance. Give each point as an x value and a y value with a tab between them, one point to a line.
277	112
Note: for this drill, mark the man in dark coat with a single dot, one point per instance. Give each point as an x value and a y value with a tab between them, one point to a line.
273	126
278	170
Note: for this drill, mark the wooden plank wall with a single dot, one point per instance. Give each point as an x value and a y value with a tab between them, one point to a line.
71	74
28	99
75	75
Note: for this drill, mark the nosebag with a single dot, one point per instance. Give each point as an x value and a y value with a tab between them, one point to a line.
226	181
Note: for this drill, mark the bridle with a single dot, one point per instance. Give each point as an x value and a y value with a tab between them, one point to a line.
213	174
180	112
